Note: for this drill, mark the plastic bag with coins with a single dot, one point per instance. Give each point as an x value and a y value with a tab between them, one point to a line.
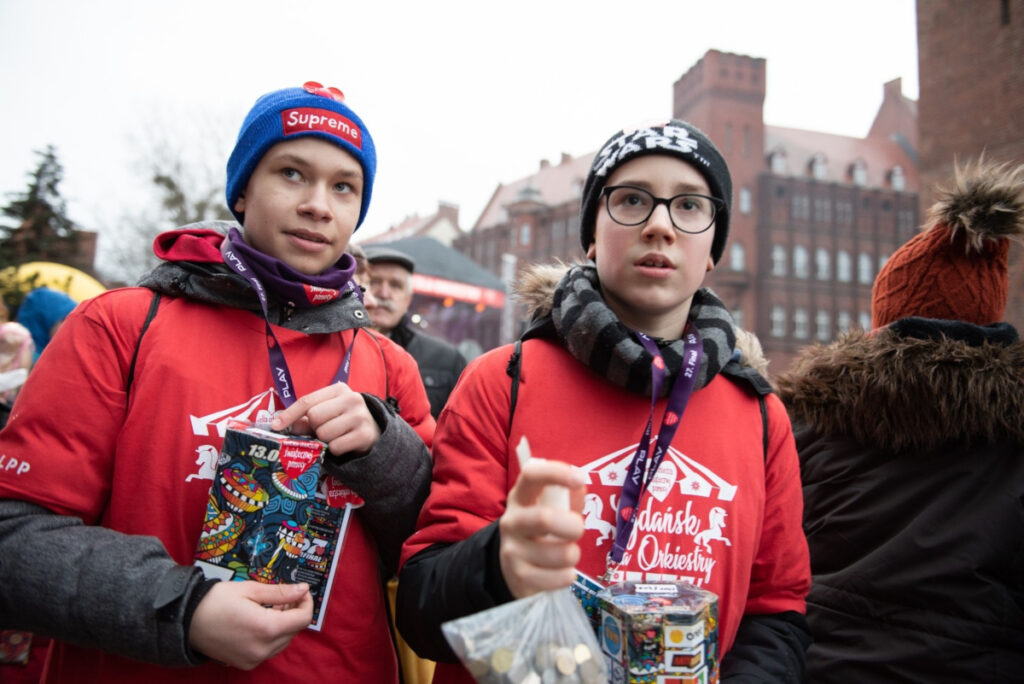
539	639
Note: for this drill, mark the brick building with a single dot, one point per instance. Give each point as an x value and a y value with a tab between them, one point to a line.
971	64
814	214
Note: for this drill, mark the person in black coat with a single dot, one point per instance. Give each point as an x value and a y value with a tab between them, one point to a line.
391	285
911	442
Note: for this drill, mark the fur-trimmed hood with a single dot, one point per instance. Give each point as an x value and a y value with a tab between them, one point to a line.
536	285
905	394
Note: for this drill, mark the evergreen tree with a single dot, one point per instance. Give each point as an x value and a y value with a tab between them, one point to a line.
36	225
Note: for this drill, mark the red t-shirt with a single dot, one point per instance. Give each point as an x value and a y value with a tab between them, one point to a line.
145	467
719	513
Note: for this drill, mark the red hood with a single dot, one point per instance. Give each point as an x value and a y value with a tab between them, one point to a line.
189	244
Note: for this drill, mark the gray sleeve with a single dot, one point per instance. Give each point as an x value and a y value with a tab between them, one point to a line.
92	586
393	479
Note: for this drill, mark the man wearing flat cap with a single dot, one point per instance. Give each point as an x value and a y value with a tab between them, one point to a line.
391	285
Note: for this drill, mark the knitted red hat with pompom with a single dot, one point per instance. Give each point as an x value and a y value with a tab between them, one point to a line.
957	268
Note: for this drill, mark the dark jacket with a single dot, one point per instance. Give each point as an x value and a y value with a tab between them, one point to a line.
912	455
440	363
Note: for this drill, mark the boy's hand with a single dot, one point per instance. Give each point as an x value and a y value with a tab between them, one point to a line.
232	624
538	549
337	415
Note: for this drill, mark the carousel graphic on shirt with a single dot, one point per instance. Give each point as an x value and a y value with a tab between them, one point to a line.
681	524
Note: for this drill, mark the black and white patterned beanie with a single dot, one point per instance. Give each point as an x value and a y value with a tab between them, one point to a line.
674	138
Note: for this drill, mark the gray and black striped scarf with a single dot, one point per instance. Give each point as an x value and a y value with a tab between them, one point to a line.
597	338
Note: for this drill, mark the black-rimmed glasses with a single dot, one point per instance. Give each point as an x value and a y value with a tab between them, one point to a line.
690	213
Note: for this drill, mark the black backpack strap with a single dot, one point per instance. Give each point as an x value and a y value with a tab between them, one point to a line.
514	370
150	315
764	425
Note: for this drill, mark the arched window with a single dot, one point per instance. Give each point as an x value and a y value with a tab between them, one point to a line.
800	323
844	266
744	201
823	326
524	234
778	260
865	274
819	166
778	163
800	261
859	172
737	257
778	321
822	263
843	321
897	178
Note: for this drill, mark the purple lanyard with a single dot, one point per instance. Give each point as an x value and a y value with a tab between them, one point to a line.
641	472
278	366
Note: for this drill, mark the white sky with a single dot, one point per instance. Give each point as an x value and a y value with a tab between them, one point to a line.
459	96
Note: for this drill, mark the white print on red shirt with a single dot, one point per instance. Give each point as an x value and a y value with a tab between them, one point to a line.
676	532
258	409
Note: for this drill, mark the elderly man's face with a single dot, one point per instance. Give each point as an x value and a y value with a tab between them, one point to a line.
392	289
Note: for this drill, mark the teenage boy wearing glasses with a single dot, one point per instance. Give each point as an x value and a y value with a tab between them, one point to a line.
720	503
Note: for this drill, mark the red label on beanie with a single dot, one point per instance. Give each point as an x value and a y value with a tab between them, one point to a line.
306	119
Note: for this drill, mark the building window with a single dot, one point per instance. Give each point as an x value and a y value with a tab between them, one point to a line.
897	178
737	257
859	172
800	262
778	260
819	167
801	207
524	234
778	163
844	266
737	317
865	274
800	323
822	209
778	321
843	321
744	201
844	213
865	320
823	326
822	263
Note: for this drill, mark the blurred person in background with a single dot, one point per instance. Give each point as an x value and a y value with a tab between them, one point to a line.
391	285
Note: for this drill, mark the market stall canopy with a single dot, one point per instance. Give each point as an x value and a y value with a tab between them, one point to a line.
77	284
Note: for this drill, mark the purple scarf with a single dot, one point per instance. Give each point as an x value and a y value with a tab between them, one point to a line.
288	285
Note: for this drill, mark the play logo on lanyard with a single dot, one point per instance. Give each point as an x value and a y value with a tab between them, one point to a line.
319	295
309	119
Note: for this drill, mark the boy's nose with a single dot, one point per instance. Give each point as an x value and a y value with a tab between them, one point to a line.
659	224
315	202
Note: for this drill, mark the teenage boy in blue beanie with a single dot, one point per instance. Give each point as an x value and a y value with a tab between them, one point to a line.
102	497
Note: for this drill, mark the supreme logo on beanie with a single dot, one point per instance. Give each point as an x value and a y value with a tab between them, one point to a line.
311	110
674	138
957	269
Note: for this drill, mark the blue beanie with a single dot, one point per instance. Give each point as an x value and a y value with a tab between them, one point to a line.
311	110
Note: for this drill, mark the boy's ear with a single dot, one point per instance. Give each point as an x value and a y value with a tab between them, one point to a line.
711	264
591	251
240	204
